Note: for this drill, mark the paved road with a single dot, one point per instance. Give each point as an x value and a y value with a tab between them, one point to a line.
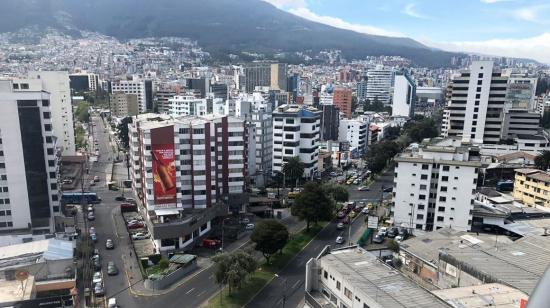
290	283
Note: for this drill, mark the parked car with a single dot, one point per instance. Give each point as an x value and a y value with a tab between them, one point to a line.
96	178
91	216
341	214
92	230
92	183
404	233
97	264
98	290
356	182
140	236
365	210
383	231
120	198
249	227
90	209
362	188
393	232
112	303
333	174
112	270
388	189
109	244
340	226
97	278
245	221
93	237
130	200
136	225
211	243
378	239
128	207
399	238
340	240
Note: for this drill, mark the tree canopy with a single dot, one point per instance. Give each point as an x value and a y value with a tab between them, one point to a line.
313	204
542	161
122	131
380	153
82	112
338	192
270	236
233	268
293	169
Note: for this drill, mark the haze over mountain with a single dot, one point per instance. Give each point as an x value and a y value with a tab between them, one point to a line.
219	26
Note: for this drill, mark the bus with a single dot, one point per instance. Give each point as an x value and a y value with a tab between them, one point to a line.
76	197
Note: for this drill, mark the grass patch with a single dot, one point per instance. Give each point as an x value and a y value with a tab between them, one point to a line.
266	271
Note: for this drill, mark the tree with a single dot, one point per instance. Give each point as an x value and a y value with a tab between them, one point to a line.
419	130
122	131
338	192
393	246
392	132
542	161
233	268
270	236
82	112
380	153
293	169
313	204
164	264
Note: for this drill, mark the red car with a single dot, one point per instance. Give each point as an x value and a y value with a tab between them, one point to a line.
136	225
211	243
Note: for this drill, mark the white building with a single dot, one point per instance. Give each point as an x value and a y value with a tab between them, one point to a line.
296	133
142	88
57	84
185	105
379	83
187	167
124	105
404	96
354	131
29	195
435	185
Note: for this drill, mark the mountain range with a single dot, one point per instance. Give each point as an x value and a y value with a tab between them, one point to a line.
219	26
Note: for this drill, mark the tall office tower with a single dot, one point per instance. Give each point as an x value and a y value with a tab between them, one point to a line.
141	87
185	105
162	97
476	108
29	196
191	165
404	96
330	119
219	90
362	89
342	99
57	84
296	133
200	84
379	83
273	75
355	131
124	105
293	87
435	185
83	82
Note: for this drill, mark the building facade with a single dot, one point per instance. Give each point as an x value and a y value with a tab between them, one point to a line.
379	83
29	196
532	187
185	105
142	88
162	97
124	105
434	185
355	132
272	75
296	133
342	99
404	96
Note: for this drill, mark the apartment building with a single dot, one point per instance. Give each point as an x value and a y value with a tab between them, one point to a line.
187	105
264	74
186	171
379	83
140	87
296	133
82	82
342	99
355	132
162	99
404	96
29	193
434	185
532	187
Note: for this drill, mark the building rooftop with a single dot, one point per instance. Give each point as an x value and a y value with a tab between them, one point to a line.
14	290
379	281
34	252
491	294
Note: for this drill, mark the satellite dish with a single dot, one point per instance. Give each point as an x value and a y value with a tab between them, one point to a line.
21	275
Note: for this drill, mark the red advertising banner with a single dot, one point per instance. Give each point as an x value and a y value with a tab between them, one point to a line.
164	173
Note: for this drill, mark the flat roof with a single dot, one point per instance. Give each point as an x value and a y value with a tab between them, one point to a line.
36	251
14	290
490	294
368	275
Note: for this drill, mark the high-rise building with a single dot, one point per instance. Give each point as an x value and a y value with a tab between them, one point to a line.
57	84
188	164
124	105
435	185
162	97
29	193
185	105
83	82
200	84
272	75
296	133
219	90
404	96
330	118
293	87
342	99
379	83
355	132
362	89
141	87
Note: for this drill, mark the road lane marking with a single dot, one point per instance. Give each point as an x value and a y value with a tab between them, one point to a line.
296	284
201	293
190	291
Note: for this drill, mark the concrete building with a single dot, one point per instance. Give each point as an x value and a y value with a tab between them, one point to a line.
219	90
186	171
379	83
187	105
162	97
330	119
57	84
83	82
342	99
124	105
355	132
353	277
141	87
532	187
477	103
362	89
404	96
296	133
29	196
272	75
435	185
202	85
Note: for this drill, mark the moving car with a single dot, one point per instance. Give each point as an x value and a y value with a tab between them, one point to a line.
362	188
365	210
109	244
245	220
340	226
352	214
378	239
98	290
136	225
96	178
120	198
249	227
91	216
112	270
339	240
140	236
112	303
97	278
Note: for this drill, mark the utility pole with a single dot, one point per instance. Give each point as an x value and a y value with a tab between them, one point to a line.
128	164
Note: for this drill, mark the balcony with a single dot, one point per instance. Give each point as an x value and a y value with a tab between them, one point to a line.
185	222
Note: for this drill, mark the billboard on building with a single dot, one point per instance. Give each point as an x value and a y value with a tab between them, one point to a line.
164	171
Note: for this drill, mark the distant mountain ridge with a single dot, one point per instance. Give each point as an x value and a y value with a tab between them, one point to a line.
221	26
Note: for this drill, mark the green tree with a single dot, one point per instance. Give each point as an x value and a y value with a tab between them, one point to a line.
293	169
313	204
419	130
542	161
270	236
338	192
392	132
164	264
122	131
233	268
393	246
380	153
82	112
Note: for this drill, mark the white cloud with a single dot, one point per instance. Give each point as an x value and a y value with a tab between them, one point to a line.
342	24
536	47
531	13
410	10
287	3
494	1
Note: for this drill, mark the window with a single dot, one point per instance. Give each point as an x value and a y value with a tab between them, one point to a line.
422	197
422	186
338	285
441	209
419	216
424	177
4	177
445	168
326	275
348	293
5	189
421	206
48	127
443	188
442	198
440	218
46	115
425	167
445	178
480	75
24	86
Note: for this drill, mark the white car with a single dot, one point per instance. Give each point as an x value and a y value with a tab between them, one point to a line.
365	210
245	221
383	231
96	178
399	238
339	240
97	278
92	230
249	227
112	303
140	236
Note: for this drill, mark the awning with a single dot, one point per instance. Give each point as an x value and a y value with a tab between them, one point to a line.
165	212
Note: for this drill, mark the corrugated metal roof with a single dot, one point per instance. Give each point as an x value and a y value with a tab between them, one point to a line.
58	250
182	258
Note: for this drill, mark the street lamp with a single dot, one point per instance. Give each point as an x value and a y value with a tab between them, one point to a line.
223	225
284	289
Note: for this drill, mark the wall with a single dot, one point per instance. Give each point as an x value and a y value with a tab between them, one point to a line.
171	278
